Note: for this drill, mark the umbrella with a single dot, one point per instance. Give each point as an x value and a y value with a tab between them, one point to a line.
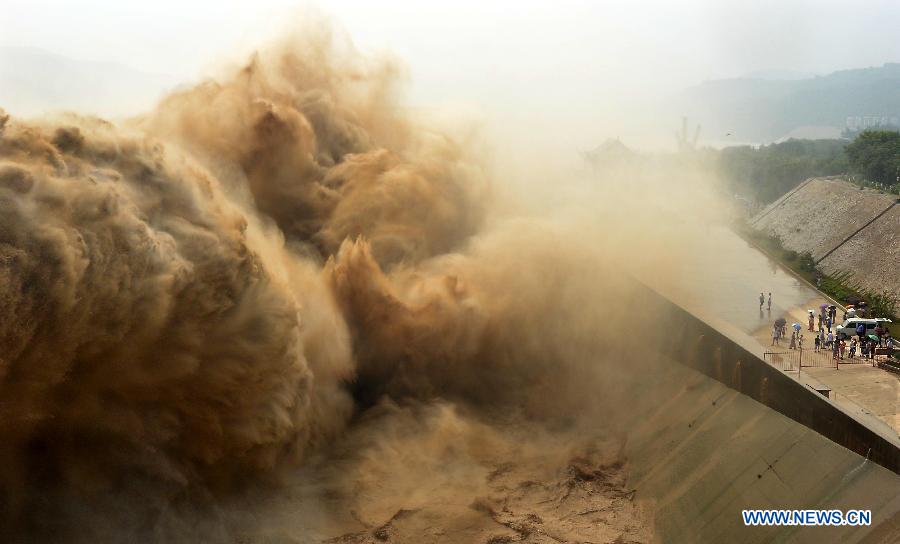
780	321
823	306
796	326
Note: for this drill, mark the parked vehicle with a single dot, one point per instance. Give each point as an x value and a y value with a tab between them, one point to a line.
848	327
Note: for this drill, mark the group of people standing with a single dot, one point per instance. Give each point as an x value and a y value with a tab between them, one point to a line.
827	317
825	339
839	346
779	331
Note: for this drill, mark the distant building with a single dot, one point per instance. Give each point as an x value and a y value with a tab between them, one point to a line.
610	154
856	123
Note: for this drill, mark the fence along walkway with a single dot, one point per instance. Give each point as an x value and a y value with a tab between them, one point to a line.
795	359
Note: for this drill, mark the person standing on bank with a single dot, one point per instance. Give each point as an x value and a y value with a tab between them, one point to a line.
770	302
762	300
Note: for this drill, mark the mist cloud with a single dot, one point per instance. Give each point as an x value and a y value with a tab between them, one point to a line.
204	296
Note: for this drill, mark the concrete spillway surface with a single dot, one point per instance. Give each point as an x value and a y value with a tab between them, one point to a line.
703	451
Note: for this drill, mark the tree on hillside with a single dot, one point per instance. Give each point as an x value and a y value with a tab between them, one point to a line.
767	172
875	154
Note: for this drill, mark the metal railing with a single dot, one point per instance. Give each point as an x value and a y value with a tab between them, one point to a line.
792	360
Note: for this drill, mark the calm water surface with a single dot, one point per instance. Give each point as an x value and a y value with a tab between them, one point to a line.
726	278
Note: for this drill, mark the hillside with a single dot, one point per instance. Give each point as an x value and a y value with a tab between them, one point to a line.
763	110
822	213
31	79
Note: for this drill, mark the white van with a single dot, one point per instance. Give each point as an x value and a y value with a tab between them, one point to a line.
848	327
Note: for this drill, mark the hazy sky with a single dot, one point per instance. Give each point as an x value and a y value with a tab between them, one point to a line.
587	65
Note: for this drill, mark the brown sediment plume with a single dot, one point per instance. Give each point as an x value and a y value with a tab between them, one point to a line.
311	130
144	332
207	294
497	325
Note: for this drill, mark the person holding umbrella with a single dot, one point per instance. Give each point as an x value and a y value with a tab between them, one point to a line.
780	324
795	334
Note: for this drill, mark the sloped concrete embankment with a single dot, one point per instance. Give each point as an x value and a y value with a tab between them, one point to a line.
823	213
723	431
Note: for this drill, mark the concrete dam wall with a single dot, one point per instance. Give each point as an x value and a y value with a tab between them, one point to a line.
844	227
724	431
